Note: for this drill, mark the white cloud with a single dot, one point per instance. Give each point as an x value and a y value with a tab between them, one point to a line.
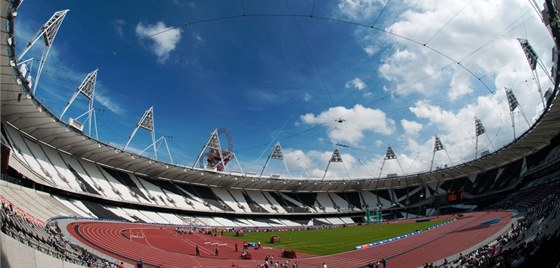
411	128
307	97
451	32
407	69
359	9
313	164
371	50
356	83
107	102
457	130
349	125
481	36
198	37
460	85
119	24
165	39
442	120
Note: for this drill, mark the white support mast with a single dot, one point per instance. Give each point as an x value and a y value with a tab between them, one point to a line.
213	144
159	141
438	146
533	60
479	129
276	154
87	89
147	123
335	158
216	157
389	156
513	104
48	32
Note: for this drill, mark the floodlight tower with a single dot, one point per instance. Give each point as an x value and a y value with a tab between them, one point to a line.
216	157
389	156
479	129
335	158
276	154
533	60
147	123
87	89
48	32
438	146
513	104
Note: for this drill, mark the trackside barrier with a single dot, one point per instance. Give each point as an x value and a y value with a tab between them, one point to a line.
373	244
441	224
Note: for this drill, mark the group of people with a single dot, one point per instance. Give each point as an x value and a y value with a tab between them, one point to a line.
523	241
270	263
197	251
181	230
46	238
378	264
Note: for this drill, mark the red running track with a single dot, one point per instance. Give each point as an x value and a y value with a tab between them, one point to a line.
160	245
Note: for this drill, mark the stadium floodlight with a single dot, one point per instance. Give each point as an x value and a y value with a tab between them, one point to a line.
438	146
87	89
514	104
335	158
147	123
217	157
276	154
480	130
390	155
533	60
48	32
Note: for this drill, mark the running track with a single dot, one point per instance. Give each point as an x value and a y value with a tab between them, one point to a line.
160	245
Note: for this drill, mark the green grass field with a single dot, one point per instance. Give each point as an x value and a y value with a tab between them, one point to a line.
335	240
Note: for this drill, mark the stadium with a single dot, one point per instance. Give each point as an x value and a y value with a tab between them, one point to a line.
72	199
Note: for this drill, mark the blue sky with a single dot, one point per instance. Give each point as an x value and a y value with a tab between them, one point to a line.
306	74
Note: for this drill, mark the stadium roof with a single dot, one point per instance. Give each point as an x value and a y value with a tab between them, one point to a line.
21	110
